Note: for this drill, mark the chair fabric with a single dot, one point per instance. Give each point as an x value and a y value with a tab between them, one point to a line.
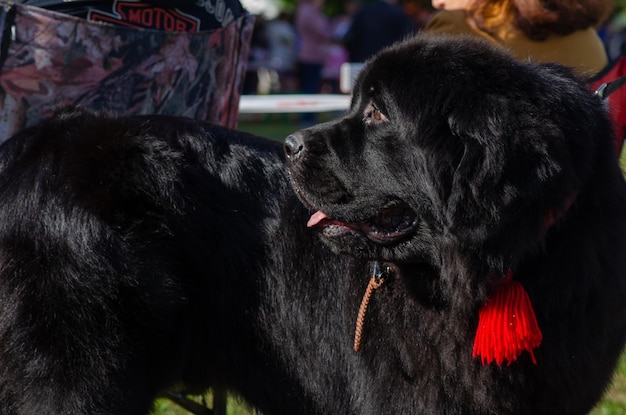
50	60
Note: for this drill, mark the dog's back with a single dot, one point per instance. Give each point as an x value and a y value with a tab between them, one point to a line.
119	240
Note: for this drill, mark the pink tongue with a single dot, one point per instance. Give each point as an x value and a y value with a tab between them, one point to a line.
316	218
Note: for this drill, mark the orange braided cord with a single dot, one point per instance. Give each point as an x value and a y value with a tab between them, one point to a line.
374	284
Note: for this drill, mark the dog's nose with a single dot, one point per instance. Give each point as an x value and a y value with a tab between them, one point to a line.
294	144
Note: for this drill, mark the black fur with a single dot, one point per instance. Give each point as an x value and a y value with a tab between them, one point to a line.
448	162
138	254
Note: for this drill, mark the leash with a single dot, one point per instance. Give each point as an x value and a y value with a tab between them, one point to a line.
376	281
608	88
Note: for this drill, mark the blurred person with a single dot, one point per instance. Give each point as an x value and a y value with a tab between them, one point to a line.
280	67
337	54
341	23
420	11
314	36
258	59
613	33
281	39
376	25
561	31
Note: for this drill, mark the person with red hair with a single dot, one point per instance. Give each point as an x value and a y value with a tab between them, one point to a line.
561	31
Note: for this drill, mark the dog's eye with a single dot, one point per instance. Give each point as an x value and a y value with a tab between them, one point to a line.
373	115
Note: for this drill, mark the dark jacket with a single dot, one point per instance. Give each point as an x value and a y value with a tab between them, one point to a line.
376	25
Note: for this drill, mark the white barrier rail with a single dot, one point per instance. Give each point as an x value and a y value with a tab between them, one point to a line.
293	103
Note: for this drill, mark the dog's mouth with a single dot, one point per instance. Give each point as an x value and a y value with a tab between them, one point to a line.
391	225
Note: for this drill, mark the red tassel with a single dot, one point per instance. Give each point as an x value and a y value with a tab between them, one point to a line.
507	325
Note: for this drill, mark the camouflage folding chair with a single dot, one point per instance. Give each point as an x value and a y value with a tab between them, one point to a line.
50	59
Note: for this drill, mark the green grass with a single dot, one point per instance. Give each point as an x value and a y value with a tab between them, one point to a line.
274	126
279	126
614	402
234	406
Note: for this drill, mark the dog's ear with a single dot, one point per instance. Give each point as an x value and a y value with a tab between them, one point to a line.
519	162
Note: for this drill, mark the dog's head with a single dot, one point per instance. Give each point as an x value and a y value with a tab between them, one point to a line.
447	141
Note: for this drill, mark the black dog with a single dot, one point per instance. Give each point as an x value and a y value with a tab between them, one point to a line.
459	165
141	254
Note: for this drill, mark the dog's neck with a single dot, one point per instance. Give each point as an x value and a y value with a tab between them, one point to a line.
383	271
554	215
